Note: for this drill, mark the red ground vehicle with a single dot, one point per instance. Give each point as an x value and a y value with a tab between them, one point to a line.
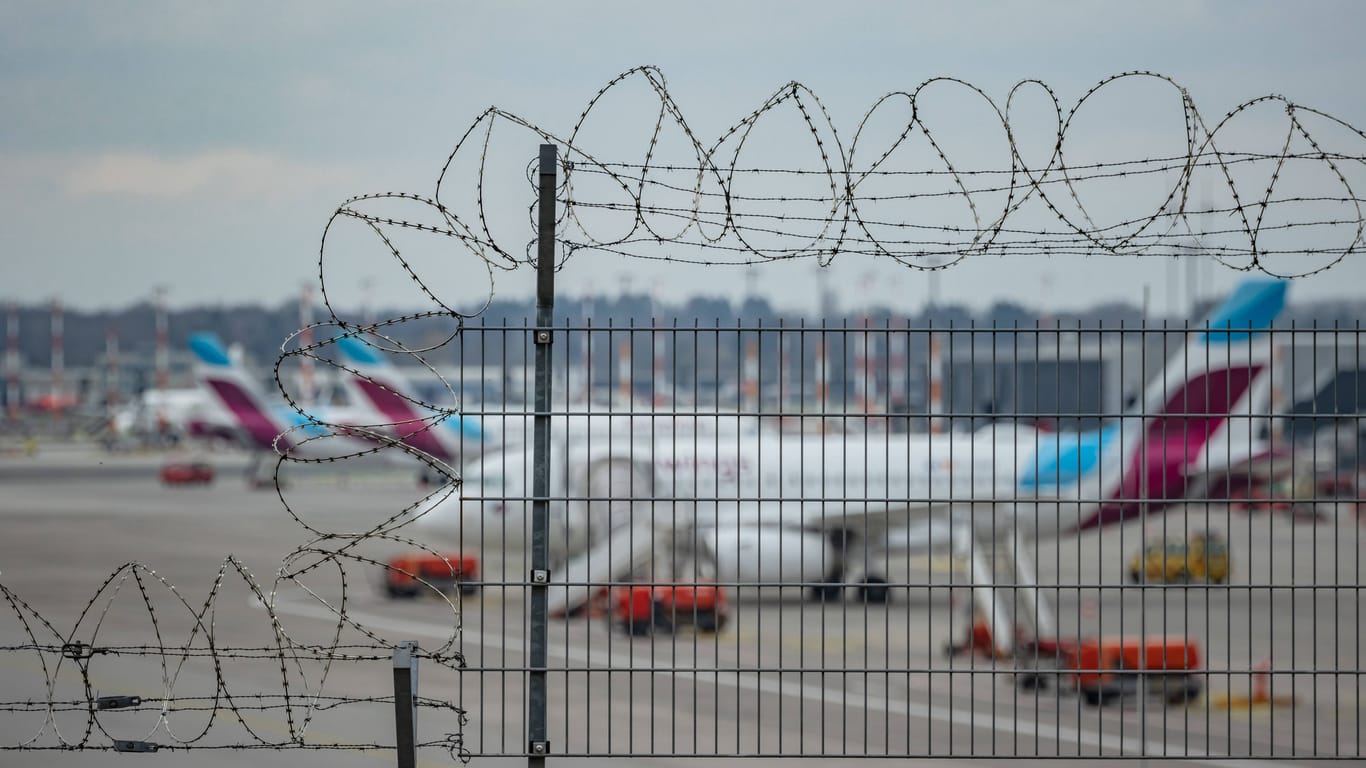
1103	670
642	609
187	473
446	573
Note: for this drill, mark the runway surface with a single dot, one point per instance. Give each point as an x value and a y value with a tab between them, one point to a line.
789	677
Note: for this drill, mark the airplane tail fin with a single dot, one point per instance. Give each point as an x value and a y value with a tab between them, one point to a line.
384	387
1220	382
1232	339
235	391
1211	394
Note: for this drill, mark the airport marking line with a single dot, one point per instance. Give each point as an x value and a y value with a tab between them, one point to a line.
1019	727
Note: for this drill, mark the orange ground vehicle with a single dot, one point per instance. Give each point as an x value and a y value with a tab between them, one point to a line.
642	609
187	473
446	573
1102	670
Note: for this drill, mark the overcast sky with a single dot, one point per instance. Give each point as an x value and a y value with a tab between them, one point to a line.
203	146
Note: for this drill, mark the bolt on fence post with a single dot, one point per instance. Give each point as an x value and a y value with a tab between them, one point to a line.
405	703
538	746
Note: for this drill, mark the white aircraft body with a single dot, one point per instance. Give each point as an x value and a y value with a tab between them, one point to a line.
171	413
753	507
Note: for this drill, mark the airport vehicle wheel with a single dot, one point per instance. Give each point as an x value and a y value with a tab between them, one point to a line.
1031	681
638	628
1099	697
1182	690
709	621
469	589
1135	577
874	591
827	593
1182	577
401	593
663	621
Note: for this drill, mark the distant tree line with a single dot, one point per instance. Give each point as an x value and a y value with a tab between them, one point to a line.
261	330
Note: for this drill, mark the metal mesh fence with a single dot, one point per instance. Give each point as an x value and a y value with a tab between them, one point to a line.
896	541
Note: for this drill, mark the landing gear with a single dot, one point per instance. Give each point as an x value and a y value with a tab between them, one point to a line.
829	592
851	561
873	590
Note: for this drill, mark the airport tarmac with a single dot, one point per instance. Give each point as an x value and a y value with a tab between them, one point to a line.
793	677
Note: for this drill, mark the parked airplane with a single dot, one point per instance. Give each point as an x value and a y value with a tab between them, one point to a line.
830	510
275	427
171	414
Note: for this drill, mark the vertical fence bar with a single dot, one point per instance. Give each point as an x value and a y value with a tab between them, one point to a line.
538	746
405	703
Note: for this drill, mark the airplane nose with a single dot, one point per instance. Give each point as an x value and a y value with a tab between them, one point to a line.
486	522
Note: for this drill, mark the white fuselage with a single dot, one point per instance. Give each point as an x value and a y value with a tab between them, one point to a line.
765	506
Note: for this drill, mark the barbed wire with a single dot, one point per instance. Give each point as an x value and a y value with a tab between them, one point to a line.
196	704
726	206
719	210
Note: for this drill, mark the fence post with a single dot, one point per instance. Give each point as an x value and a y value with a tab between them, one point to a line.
538	746
405	703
